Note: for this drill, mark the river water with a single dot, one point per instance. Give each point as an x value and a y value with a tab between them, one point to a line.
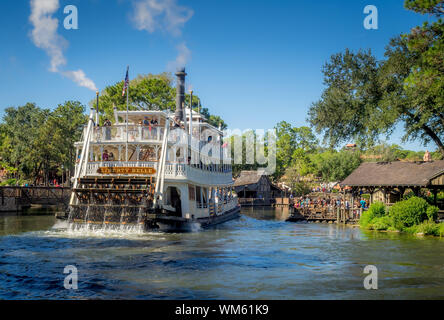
259	256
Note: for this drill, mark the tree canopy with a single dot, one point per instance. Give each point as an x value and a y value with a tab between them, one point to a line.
35	141
365	99
150	92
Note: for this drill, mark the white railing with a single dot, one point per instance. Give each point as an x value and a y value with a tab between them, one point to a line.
136	133
182	171
175	171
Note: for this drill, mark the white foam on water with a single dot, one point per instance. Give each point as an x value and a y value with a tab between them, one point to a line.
66	229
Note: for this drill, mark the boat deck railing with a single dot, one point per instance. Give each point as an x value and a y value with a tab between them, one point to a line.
136	133
177	171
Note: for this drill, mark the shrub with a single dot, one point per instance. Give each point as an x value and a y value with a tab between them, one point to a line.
376	210
432	212
410	212
381	223
440	230
428	228
9	182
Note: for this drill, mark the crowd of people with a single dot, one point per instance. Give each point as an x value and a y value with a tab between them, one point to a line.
328	202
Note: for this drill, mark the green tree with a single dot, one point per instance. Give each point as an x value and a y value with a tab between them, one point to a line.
366	99
150	92
435	7
291	147
346	109
66	126
335	166
19	149
36	141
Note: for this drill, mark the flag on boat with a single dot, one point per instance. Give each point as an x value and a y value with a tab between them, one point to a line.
125	86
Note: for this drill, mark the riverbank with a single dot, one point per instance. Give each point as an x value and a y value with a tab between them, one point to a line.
412	216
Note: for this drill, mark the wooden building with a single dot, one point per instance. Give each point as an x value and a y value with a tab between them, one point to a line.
257	187
388	181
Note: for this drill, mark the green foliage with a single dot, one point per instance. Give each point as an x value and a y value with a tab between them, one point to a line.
381	223
435	7
432	213
427	228
336	166
366	99
37	140
376	211
301	189
414	215
153	92
13	182
292	148
411	212
346	108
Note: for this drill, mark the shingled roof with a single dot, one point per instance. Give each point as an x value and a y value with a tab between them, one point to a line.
248	177
407	174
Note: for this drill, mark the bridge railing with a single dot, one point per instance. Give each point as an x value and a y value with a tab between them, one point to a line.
35	194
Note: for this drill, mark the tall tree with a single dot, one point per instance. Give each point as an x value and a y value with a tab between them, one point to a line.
153	92
435	7
66	124
21	126
291	146
365	98
347	107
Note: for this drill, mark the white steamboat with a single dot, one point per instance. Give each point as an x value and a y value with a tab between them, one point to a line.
154	170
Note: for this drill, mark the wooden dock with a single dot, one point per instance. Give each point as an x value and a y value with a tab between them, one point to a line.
326	215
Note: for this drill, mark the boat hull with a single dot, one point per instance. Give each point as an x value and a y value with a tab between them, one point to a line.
177	224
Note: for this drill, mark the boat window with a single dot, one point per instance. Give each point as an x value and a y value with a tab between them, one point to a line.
192	193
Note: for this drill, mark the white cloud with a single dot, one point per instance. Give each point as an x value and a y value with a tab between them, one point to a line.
80	78
44	35
164	15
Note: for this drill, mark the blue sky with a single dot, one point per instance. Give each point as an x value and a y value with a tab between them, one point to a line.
254	63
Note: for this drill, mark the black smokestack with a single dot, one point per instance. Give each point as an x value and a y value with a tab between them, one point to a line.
180	93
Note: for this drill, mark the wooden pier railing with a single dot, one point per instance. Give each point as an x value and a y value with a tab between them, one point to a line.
330	213
15	198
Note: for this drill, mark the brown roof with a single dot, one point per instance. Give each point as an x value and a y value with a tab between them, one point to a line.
394	174
248	177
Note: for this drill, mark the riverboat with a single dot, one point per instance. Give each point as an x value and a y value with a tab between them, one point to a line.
153	169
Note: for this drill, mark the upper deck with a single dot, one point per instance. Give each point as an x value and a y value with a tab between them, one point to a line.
133	148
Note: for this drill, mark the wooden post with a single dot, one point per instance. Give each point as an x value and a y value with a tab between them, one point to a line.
338	217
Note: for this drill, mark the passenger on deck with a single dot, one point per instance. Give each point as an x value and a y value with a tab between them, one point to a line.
105	156
107	124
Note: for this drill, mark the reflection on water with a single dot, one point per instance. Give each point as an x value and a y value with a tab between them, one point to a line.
259	256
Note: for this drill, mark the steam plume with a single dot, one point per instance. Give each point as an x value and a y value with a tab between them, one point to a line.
166	16
44	35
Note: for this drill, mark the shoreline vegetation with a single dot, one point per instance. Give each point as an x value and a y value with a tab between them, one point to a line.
413	216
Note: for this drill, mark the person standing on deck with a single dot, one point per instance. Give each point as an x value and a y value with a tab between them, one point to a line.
105	156
107	124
